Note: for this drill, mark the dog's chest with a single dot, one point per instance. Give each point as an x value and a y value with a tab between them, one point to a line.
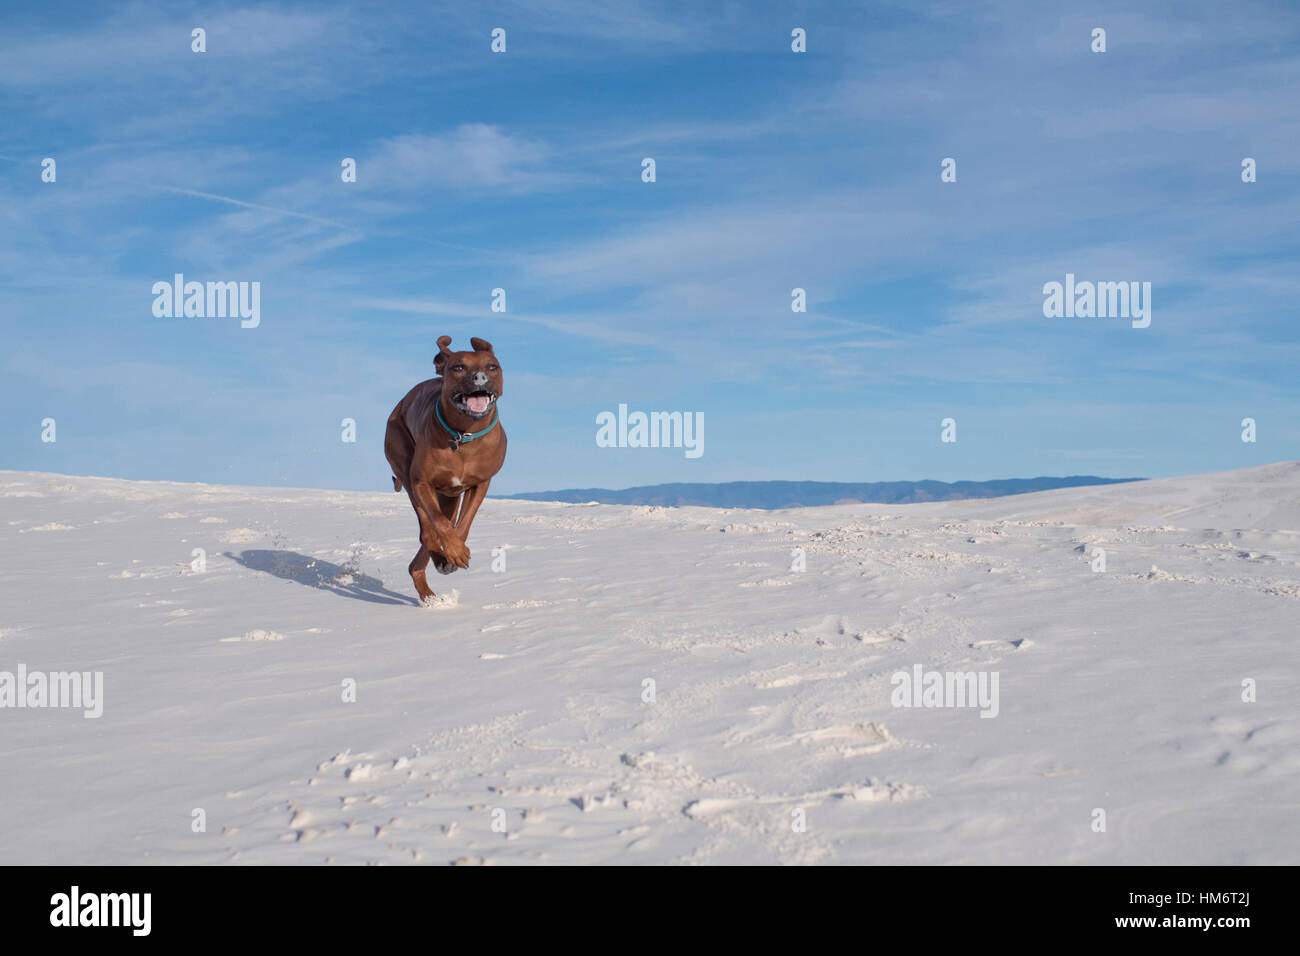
456	476
453	485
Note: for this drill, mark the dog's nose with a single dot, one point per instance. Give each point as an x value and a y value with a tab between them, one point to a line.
479	379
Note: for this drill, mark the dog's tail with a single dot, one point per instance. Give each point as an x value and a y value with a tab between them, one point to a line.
397	484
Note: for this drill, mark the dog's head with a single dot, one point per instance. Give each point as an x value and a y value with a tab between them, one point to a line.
471	381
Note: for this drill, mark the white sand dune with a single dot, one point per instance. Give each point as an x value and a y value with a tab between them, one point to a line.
509	725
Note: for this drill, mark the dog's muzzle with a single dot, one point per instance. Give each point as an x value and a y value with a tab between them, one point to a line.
477	398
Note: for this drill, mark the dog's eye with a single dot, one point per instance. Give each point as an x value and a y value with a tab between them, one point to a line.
492	368
458	368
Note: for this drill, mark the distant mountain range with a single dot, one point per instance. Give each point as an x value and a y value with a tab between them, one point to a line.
770	495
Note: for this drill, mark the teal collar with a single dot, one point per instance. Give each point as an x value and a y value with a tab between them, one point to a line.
460	438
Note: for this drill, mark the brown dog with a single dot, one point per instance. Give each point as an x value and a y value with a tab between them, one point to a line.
444	443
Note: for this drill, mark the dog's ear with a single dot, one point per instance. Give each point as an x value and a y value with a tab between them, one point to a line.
440	359
481	345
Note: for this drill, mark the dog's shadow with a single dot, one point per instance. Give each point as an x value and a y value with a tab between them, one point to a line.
321	574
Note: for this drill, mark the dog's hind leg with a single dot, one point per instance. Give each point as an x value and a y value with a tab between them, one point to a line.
398	449
421	560
418	577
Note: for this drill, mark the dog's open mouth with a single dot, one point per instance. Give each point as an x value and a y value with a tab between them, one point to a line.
476	404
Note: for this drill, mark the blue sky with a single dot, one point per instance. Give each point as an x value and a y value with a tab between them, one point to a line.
775	170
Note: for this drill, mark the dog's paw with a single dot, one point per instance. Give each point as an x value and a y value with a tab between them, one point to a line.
442	565
456	554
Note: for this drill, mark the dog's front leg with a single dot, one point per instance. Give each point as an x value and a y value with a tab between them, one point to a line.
469	502
449	505
441	533
469	507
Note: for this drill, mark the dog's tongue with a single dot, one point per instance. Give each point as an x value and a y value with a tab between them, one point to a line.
476	403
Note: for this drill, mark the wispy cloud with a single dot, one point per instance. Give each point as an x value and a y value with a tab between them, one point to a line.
472	155
242	203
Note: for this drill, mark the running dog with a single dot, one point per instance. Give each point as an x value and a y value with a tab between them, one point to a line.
445	443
